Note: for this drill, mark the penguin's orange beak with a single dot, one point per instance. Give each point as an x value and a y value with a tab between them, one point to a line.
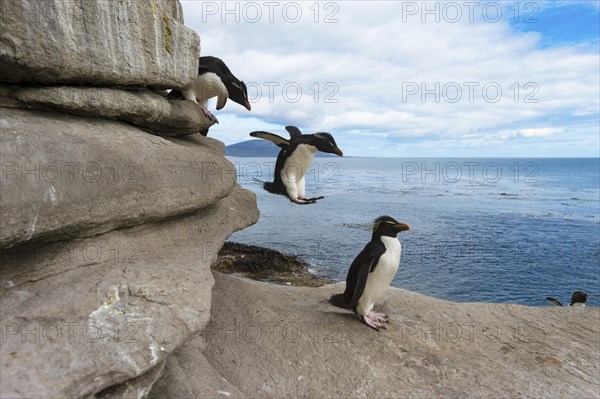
247	105
402	227
337	151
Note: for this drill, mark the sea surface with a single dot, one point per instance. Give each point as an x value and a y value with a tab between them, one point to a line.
481	230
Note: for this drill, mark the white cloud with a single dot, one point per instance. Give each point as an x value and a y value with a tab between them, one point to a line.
360	75
531	133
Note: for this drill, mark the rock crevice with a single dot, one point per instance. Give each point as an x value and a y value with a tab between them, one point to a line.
143	108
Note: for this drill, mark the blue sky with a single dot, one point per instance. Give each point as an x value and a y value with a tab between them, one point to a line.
413	78
566	23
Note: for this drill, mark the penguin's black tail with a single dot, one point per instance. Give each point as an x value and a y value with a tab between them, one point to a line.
339	300
554	301
270	187
273	188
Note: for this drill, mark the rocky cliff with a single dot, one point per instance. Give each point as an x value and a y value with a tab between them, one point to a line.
112	210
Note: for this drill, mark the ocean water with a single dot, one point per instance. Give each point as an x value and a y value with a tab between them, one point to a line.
481	230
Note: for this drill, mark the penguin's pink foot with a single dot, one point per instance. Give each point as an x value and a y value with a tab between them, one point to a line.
382	317
372	322
209	115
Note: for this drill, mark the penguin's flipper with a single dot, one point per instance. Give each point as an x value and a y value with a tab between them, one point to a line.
359	271
275	139
221	101
356	280
554	301
293	131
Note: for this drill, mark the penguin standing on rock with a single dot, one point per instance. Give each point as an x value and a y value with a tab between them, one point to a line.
214	80
578	299
294	160
372	272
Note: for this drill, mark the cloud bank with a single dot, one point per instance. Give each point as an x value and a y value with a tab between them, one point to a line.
410	78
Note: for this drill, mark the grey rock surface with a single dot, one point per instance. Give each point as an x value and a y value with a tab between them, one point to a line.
136	388
273	341
143	108
65	176
189	375
101	102
105	42
184	118
107	233
84	315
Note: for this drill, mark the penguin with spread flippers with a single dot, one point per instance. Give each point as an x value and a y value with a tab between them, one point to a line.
372	272
294	159
214	80
578	299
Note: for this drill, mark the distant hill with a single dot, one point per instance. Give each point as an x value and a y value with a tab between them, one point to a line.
252	148
257	148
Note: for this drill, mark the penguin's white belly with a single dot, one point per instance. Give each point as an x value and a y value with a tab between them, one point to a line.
295	168
208	85
382	276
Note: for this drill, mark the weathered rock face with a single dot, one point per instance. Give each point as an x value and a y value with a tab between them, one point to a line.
64	177
188	374
107	232
135	388
98	43
105	309
108	236
301	346
141	107
106	55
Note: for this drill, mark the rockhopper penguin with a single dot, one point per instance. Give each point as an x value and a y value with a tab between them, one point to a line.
578	299
214	80
294	160
372	272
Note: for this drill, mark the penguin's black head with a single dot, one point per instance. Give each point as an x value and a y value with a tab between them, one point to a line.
388	226
238	92
325	143
578	297
236	89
